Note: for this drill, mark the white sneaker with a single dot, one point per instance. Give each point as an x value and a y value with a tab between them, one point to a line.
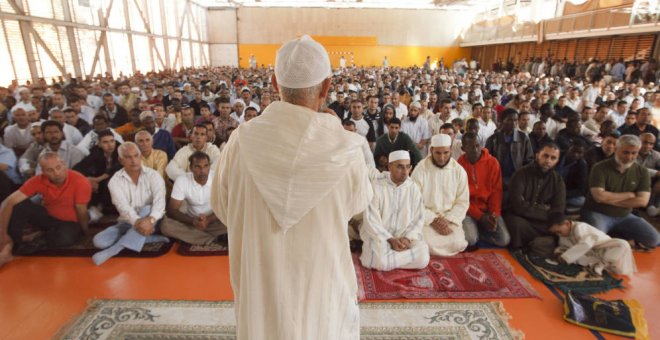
94	215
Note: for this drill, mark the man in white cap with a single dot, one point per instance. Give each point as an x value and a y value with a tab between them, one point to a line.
417	129
393	222
286	205
444	186
246	98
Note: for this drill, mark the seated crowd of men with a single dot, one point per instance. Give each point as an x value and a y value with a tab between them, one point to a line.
454	158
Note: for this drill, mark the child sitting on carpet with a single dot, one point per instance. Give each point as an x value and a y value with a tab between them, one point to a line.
587	246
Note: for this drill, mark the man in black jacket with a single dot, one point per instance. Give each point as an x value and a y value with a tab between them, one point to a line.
116	114
535	192
99	166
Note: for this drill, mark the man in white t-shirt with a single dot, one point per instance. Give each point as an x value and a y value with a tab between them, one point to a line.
198	224
357	117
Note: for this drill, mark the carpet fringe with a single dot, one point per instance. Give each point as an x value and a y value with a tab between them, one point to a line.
73	320
498	306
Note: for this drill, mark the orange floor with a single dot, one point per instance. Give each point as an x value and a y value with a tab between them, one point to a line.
40	295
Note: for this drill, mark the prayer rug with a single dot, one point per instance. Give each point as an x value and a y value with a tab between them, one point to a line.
201	320
85	248
213	249
464	276
566	277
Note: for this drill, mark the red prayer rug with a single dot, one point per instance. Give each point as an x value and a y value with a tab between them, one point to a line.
464	276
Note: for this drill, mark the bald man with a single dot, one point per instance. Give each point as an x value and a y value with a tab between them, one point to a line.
62	216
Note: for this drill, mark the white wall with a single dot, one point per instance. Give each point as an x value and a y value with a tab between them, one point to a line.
223	40
229	28
391	26
224	54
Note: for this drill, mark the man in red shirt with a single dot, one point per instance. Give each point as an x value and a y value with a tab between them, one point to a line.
484	219
62	217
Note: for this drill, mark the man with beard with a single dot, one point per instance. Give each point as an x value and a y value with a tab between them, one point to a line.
616	186
535	192
54	136
198	224
446	196
394	140
416	128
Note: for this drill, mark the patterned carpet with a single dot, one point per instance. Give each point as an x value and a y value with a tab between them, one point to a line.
464	276
213	249
202	320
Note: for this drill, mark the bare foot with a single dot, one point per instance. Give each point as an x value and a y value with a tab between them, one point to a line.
5	254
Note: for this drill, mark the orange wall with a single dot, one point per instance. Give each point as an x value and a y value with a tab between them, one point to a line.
371	55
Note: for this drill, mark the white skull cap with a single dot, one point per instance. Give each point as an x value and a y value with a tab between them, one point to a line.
302	63
398	155
440	140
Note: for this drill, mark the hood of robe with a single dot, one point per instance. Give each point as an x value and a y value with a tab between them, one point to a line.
295	156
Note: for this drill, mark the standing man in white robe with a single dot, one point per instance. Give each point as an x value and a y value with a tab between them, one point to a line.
393	222
587	246
444	186
285	186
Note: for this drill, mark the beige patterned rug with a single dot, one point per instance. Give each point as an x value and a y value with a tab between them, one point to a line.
202	320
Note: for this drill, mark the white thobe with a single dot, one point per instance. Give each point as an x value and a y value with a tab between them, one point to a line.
588	246
395	211
286	205
446	194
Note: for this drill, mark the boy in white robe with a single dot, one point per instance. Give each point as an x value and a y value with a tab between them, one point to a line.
587	246
444	187
393	222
